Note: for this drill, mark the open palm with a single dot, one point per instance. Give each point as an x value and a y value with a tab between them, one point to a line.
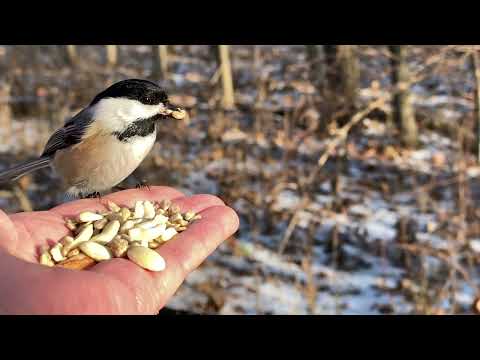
116	286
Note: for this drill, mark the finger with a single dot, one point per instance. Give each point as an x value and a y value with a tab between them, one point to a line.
42	290
182	255
126	197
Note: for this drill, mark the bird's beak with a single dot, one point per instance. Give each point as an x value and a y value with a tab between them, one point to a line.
174	112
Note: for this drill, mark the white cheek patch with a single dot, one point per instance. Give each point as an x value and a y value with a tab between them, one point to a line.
116	114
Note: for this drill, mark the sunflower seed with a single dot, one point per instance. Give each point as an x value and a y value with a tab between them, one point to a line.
157	220
149	210
95	251
71	225
179	114
113	207
189	215
168	234
66	242
146	258
139	210
46	259
56	252
108	233
153	244
83	236
146	234
87	216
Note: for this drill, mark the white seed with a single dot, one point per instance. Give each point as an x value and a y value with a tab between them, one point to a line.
146	258
135	234
83	236
71	225
96	251
149	210
113	207
168	234
81	228
108	233
153	244
197	217
100	224
87	216
66	242
179	114
46	259
125	213
189	215
181	228
157	220
129	224
56	252
155	232
160	211
139	210
147	234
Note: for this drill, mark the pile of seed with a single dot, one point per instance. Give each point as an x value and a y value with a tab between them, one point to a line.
121	232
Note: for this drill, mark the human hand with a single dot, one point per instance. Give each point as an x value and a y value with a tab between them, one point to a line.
116	286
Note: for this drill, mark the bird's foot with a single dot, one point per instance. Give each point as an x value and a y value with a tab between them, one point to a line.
94	195
142	185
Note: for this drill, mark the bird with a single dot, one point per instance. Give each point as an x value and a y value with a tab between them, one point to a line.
106	141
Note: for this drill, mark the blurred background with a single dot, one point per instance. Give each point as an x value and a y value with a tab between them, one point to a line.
354	169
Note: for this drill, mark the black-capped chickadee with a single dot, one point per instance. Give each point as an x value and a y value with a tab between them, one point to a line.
105	142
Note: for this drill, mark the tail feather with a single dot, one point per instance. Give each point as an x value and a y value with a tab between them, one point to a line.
23	169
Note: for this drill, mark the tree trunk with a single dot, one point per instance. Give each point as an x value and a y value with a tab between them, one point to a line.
315	58
228	101
5	109
403	113
112	55
160	62
476	73
349	73
342	73
71	56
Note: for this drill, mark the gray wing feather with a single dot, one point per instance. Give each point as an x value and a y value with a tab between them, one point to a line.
70	134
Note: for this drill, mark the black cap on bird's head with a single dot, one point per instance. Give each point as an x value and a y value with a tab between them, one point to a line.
144	91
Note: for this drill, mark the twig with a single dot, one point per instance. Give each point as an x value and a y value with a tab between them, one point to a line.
292	224
25	203
341	135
